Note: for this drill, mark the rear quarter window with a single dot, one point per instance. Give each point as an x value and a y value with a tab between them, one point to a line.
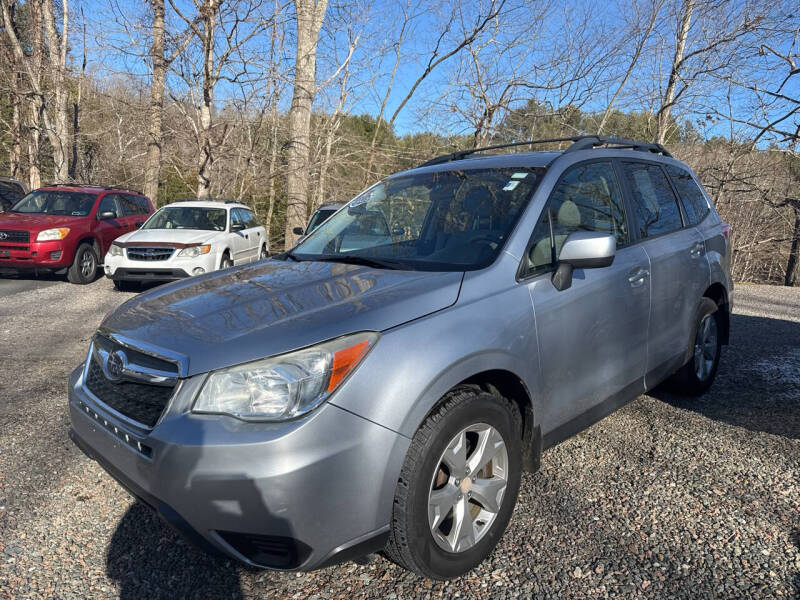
694	201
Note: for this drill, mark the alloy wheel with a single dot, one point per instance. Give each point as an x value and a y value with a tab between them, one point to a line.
705	347
87	265
467	487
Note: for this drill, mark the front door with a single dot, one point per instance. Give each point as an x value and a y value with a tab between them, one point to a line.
679	269
109	228
593	335
240	244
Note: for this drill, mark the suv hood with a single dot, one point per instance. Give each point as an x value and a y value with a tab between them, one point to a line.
268	308
168	236
36	221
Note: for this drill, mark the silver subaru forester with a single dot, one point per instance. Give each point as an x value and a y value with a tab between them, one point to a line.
382	386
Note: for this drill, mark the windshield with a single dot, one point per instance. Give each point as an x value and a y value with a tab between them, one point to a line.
56	202
188	217
318	218
441	221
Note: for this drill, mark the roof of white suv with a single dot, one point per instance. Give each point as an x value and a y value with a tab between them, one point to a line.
207	204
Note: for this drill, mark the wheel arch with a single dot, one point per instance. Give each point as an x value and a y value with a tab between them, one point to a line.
505	382
719	295
94	243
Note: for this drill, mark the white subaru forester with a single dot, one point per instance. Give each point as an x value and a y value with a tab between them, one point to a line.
184	239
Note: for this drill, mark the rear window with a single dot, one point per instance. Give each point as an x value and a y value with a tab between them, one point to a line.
694	202
654	204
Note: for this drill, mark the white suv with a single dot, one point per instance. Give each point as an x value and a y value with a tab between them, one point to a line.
184	239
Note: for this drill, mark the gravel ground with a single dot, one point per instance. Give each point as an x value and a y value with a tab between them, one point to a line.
665	498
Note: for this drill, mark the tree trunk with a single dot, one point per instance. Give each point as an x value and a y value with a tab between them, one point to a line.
309	21
794	251
205	159
58	127
668	100
152	168
15	155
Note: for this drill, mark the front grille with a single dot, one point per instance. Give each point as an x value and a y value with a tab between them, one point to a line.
19	248
10	235
141	402
150	253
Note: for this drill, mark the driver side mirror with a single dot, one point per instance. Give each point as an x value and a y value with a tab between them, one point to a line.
237	226
583	250
109	214
298	231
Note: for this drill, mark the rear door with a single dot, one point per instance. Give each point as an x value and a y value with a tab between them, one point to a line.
593	335
253	234
679	269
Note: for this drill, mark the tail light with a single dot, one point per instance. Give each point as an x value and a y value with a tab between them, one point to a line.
726	231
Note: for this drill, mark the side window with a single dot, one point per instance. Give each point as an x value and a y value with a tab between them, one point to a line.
250	219
129	205
654	203
109	204
694	202
142	207
586	198
236	217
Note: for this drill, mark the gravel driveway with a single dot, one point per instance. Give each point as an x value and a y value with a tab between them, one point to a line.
665	498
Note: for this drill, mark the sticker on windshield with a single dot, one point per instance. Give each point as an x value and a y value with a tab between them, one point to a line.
519	175
511	185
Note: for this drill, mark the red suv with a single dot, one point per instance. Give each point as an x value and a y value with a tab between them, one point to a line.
68	227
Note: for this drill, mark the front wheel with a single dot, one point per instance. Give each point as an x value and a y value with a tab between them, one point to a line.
458	485
263	254
226	262
697	375
84	268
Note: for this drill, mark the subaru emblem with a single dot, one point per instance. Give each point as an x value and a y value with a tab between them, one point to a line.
115	364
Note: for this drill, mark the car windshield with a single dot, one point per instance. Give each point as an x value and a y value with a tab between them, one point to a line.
318	218
454	220
188	217
56	202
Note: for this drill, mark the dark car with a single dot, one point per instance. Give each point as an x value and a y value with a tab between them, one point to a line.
318	218
68	227
11	192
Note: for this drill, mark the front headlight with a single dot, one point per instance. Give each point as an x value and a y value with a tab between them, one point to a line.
48	235
193	251
286	386
114	250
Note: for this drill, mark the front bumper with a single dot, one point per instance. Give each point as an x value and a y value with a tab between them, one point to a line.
36	255
121	268
296	495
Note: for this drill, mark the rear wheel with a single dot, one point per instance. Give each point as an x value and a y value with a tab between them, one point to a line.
84	267
697	375
458	485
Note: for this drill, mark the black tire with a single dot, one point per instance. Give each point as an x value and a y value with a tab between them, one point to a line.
262	255
690	379
84	267
123	286
411	540
225	262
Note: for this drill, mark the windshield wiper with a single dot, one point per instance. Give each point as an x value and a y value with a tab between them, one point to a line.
354	259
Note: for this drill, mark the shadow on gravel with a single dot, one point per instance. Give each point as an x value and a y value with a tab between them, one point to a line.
758	382
148	560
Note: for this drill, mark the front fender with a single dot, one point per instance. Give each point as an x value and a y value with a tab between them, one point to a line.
413	365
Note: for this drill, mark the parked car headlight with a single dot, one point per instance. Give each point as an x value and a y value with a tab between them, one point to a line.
286	386
114	250
193	251
48	235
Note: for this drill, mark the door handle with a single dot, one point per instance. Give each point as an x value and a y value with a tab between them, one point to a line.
696	249
637	277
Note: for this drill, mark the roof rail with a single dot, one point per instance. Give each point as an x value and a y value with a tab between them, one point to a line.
221	200
581	142
93	185
592	141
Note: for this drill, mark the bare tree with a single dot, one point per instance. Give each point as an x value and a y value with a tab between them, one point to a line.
310	14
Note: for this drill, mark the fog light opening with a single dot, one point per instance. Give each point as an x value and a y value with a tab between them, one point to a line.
198	271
